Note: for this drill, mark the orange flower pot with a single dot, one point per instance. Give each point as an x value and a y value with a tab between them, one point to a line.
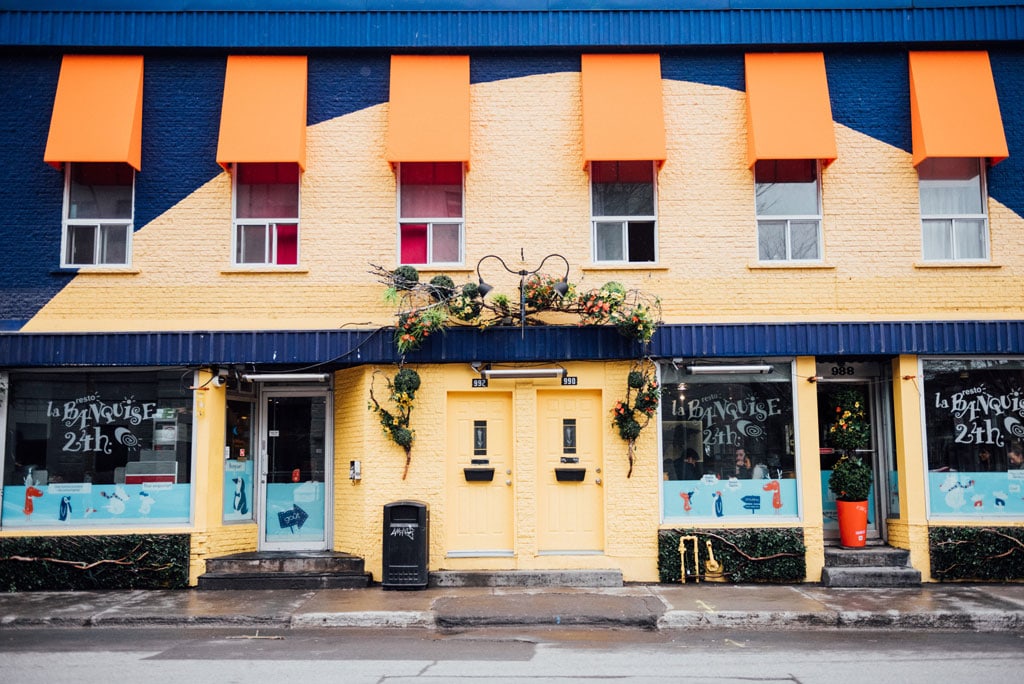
853	522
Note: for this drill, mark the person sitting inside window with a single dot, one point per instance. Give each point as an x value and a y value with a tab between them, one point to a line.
691	469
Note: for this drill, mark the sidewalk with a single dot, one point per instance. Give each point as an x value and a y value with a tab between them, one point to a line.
990	608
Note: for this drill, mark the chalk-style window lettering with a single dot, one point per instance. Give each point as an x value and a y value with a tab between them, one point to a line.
97	448
974	436
728	443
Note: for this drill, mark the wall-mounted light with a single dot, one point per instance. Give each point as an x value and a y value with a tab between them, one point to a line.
517	373
715	370
285	377
561	287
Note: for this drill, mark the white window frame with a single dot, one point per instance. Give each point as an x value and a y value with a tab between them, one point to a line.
97	224
624	222
789	219
431	221
954	218
269	230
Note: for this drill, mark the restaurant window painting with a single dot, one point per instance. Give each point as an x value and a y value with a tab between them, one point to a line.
238	460
974	437
96	449
728	448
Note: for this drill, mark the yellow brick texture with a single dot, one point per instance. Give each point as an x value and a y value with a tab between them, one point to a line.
219	541
630	505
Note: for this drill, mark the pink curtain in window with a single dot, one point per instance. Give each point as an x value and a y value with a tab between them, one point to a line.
287	244
268	190
414	243
431	190
622	172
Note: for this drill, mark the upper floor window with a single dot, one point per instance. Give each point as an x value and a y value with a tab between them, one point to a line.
98	210
788	204
953	218
266	221
623	211
430	219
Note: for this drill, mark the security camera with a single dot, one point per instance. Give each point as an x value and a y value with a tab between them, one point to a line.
219	381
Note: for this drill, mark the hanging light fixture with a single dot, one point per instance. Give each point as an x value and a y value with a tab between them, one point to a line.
561	287
520	373
716	370
285	377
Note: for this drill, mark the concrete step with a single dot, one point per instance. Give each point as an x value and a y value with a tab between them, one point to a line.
285	570
526	578
870	577
868	556
313	562
283	580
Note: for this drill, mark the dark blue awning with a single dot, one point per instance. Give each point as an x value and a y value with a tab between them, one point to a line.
443	25
340	348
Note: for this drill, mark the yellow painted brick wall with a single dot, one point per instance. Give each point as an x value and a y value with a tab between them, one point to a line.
630	505
219	541
527	195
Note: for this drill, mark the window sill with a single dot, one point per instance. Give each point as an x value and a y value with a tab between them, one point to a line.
956	264
787	265
97	270
435	268
623	266
248	270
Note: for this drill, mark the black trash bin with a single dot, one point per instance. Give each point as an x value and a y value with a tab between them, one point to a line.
406	548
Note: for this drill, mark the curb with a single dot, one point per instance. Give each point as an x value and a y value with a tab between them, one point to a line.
673	620
371	619
691	619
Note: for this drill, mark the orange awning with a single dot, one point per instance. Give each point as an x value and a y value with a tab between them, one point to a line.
97	111
789	115
623	114
263	118
428	111
954	111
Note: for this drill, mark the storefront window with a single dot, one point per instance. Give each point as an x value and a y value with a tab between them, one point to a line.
97	449
974	435
728	447
238	463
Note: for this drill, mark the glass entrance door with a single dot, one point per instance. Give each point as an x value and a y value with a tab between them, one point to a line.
295	469
871	383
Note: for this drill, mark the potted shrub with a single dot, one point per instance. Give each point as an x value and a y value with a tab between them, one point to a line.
851	477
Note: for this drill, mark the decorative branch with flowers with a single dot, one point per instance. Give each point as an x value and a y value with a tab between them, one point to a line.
425	309
850	428
395	422
631	416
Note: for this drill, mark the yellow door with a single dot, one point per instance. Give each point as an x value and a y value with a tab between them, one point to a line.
480	510
570	515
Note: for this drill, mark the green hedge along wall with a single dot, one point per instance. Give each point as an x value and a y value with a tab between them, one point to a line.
101	562
976	553
747	555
